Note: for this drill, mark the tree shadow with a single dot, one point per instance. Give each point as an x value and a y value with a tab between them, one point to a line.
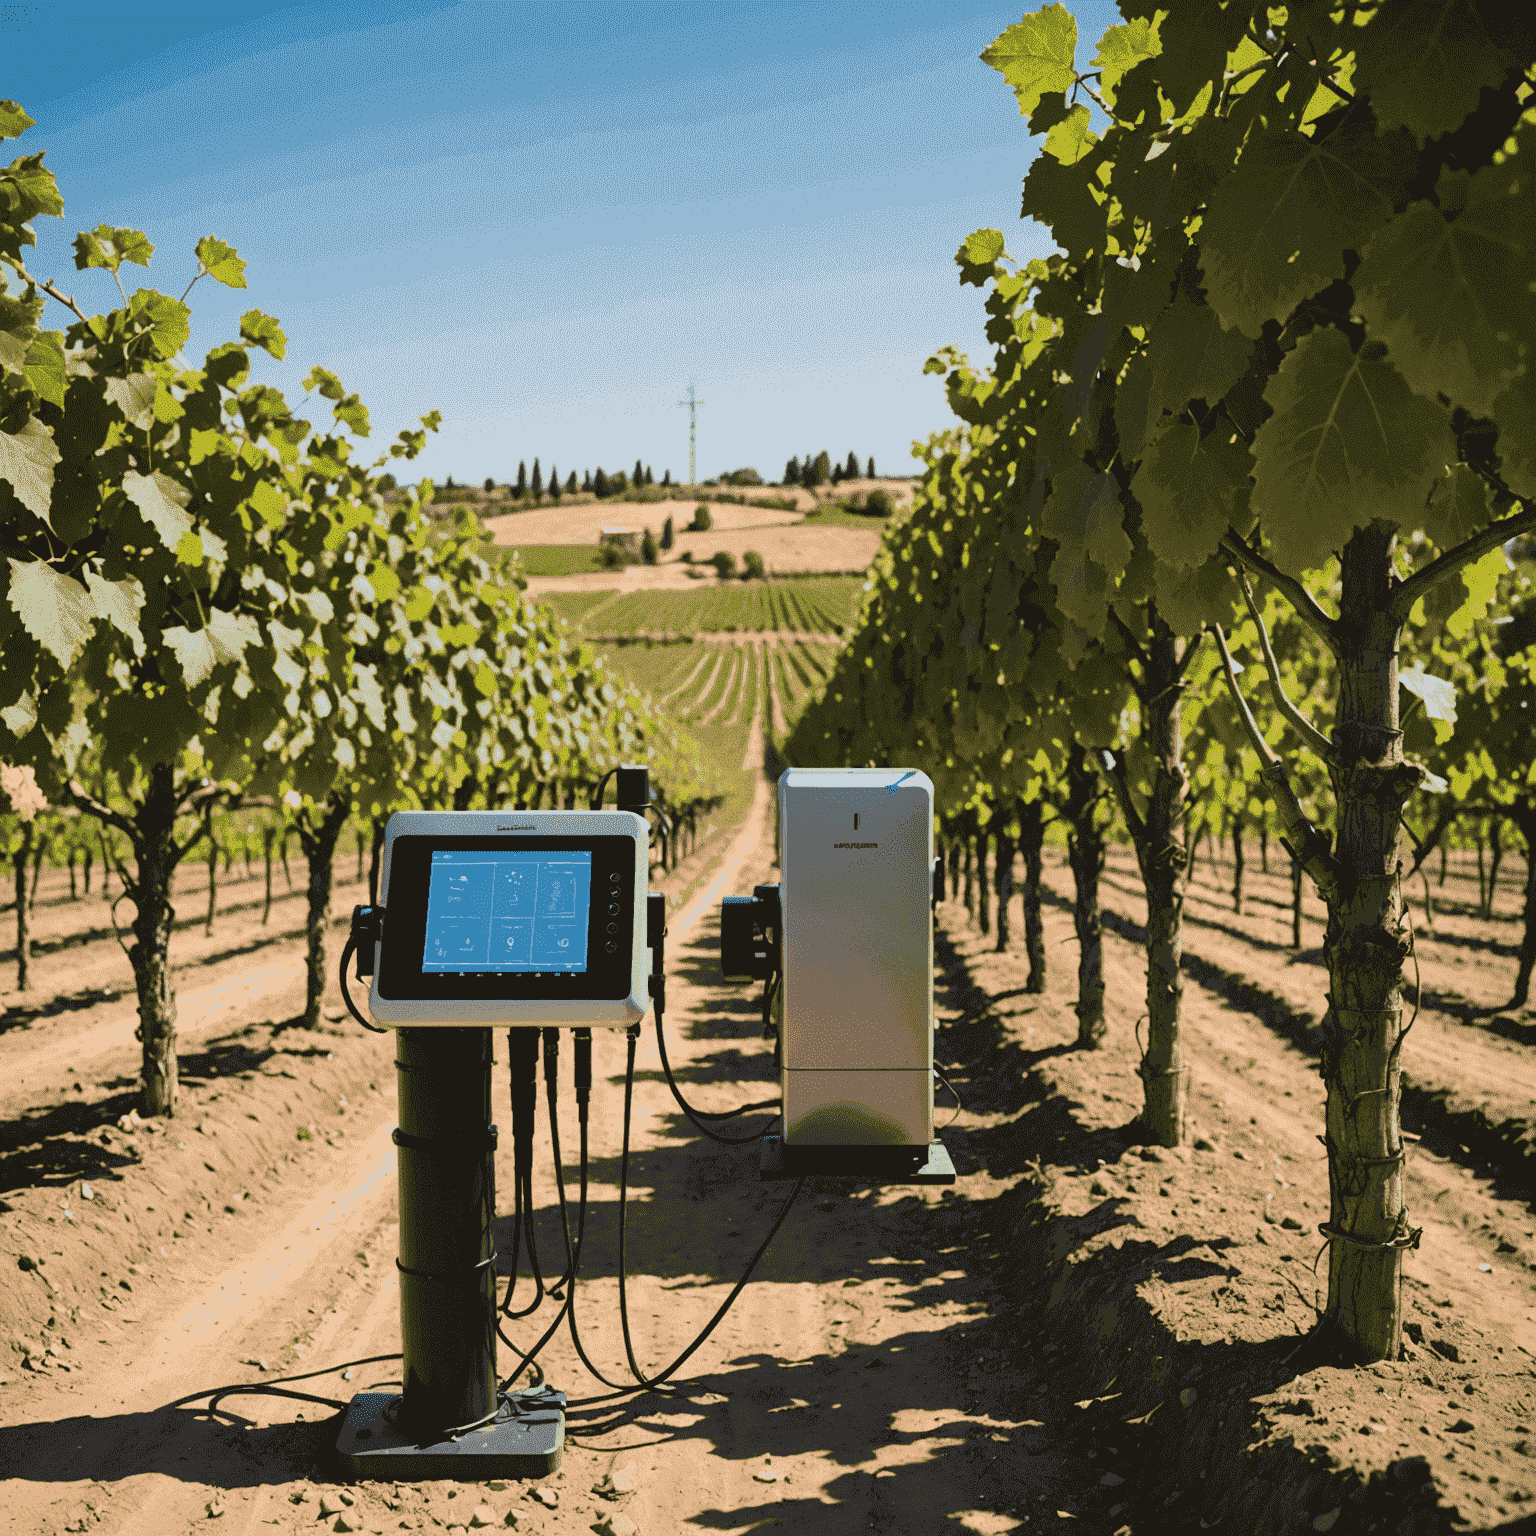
25	1015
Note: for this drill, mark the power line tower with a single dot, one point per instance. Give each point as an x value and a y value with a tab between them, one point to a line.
693	403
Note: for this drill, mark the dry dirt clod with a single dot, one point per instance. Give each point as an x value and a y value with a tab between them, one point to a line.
481	1516
329	1506
548	1497
615	1523
615	1483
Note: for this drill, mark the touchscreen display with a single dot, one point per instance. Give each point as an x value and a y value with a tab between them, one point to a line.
523	910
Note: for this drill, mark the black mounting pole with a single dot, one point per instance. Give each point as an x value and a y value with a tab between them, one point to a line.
447	1260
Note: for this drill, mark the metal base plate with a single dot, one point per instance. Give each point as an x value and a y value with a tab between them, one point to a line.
871	1165
529	1443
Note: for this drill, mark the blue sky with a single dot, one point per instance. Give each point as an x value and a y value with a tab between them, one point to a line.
544	219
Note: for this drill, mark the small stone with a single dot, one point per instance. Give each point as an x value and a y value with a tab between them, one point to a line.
260	1365
1328	1521
345	1497
1111	1480
1204	1144
1460	1427
615	1483
215	1509
348	1375
86	1192
482	1516
615	1523
330	1506
1291	1224
548	1497
1239	1154
497	1486
299	1496
765	1475
1188	1395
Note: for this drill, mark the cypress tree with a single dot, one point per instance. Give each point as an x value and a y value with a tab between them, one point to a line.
586	480
792	472
538	481
570	485
639	476
650	479
871	470
852	471
554	483
521	488
599	482
667	534
666	478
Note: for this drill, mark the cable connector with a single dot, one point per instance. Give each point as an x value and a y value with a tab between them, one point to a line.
367	931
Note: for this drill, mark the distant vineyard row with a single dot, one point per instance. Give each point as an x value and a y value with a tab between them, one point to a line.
818	605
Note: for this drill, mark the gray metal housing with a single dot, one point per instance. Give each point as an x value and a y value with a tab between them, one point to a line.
856	1008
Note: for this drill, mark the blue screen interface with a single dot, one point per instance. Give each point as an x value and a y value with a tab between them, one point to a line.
515	911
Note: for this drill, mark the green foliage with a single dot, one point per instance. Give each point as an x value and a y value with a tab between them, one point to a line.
702	519
752	568
724	563
649	549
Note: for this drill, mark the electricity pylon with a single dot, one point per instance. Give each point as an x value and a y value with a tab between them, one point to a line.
693	403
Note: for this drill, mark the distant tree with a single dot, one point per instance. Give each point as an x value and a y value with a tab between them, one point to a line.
752	568
538	481
724	563
490	485
870	471
702	521
448	483
878	503
600	486
586	480
387	482
619	485
570	485
650	479
746	476
521	488
835	474
667	536
792	472
818	471
638	478
648	548
554	483
851	472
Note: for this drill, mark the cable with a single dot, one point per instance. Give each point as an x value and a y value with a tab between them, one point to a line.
958	1105
597	794
346	996
699	1116
656	1382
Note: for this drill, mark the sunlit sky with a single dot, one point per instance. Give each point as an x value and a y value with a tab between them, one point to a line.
544	220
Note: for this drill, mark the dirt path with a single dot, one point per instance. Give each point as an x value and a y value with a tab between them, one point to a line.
839	1394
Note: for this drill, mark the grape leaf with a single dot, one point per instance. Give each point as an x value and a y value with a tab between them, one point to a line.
1189	598
110	248
1070	139
1276	229
30	190
1423	63
1190	489
162	504
1121	49
1480	580
18	327
222	262
1451	296
169	320
264	332
134	397
1193	358
1196	38
1438	695
13	120
1083	515
1348	443
53	608
1036	55
44	368
224	638
119	603
1515	413
20	717
27	459
1458	507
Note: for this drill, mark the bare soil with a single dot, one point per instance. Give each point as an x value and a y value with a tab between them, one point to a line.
1084	1333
